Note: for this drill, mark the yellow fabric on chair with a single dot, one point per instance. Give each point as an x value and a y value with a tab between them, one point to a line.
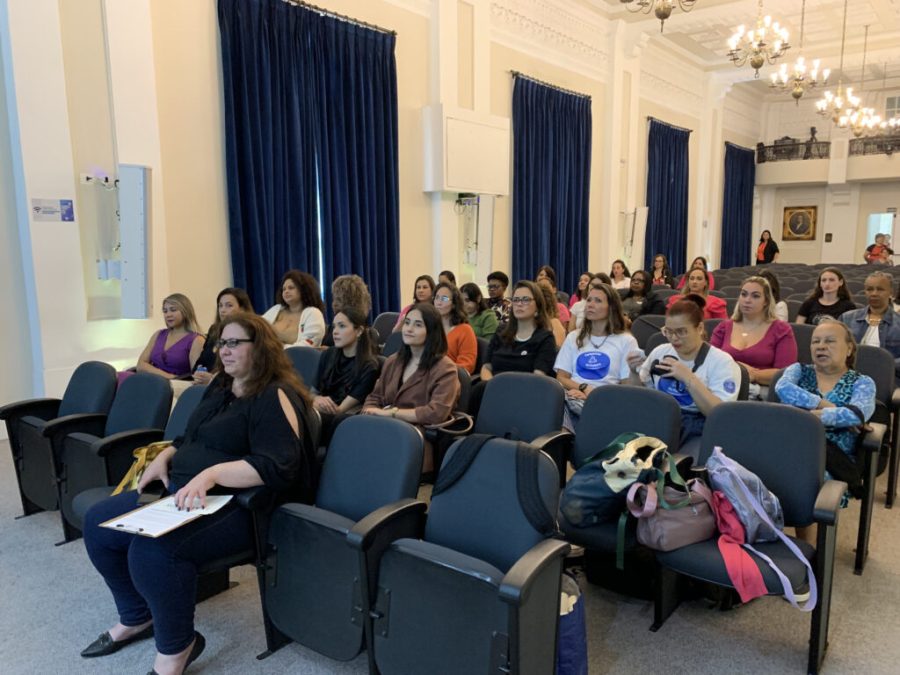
142	457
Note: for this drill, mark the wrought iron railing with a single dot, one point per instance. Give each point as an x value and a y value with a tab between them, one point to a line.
781	152
879	145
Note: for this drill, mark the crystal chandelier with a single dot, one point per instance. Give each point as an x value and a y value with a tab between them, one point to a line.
835	106
857	118
765	44
662	8
798	79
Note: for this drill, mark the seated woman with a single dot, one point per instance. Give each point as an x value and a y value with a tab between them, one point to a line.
596	355
298	316
447	277
576	314
839	396
830	298
347	371
172	351
755	338
781	308
418	384
699	264
581	291
662	275
551	314
462	346
636	300
877	324
546	276
621	277
347	290
423	292
229	301
698	375
482	319
246	431
714	308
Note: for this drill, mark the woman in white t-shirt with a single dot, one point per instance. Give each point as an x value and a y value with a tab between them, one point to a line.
698	375
597	354
621	277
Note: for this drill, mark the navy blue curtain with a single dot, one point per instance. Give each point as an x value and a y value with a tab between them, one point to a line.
310	109
737	205
355	76
551	181
667	195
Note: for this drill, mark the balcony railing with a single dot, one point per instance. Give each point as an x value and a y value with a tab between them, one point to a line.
786	151
880	145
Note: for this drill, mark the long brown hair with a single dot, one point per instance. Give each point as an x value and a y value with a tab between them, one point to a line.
615	320
268	363
540	315
243	301
842	292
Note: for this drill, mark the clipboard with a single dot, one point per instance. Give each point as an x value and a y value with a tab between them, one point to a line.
161	517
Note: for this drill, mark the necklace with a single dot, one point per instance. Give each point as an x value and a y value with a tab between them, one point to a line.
602	342
750	329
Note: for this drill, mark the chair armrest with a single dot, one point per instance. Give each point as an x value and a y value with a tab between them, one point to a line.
125	441
895	400
828	502
258	498
517	583
45	408
562	436
395	521
873	438
87	424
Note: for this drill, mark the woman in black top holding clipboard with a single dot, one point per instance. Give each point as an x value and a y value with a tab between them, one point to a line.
248	430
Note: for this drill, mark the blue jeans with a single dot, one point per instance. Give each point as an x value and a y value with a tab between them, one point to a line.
157	578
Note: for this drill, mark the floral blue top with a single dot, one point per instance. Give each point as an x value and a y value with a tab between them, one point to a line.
853	395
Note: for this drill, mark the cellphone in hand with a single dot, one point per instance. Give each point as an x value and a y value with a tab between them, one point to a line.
148	497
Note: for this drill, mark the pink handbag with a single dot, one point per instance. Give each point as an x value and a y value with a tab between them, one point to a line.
673	519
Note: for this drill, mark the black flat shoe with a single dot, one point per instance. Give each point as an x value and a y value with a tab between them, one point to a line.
105	645
199	646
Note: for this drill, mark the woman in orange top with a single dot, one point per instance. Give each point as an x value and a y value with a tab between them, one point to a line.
462	345
767	251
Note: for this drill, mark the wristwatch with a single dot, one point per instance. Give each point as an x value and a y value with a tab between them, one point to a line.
582	386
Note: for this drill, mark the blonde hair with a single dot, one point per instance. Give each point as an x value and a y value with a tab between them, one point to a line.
184	305
768	310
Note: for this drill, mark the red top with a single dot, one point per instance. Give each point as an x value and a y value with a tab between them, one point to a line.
709	278
761	251
715	307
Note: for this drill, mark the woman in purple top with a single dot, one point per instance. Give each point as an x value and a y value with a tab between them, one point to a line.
754	337
173	350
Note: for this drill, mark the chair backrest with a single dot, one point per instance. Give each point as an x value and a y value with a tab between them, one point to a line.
465	389
877	363
655	341
393	344
730	291
482	352
744	389
306	363
480	514
371	461
709	326
730	304
645	326
783	445
384	323
803	335
90	390
181	413
772	397
613	410
719	294
520	406
793	309
143	401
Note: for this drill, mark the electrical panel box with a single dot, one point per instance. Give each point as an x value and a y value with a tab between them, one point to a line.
134	224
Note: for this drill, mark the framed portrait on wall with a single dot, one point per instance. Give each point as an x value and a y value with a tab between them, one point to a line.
799	223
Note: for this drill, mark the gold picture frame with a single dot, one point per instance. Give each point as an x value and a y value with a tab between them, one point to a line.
799	223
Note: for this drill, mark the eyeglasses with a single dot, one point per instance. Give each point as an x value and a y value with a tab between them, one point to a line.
442	298
494	287
522	300
231	343
679	333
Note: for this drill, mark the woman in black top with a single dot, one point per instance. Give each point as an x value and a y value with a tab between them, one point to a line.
248	430
767	251
830	298
636	300
228	301
347	372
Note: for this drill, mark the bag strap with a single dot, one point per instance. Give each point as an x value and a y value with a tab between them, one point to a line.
529	490
615	445
460	462
650	500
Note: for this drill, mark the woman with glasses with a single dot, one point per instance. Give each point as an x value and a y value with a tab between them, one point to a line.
662	275
698	284
248	430
497	283
480	316
698	375
596	355
462	345
755	338
298	315
423	292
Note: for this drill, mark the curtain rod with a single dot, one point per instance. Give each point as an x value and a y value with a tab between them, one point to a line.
342	17
516	73
650	118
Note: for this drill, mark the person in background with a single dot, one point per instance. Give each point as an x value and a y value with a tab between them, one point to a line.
447	277
697	375
172	351
481	318
621	277
581	291
767	250
662	275
699	263
562	312
298	315
781	309
228	301
877	324
830	298
551	314
422	292
576	314
755	338
547	274
878	253
636	300
697	279
497	283
347	290
462	345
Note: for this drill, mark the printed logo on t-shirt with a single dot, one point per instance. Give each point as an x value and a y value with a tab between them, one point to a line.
592	365
676	389
729	386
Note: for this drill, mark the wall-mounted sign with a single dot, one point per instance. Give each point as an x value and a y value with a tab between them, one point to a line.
53	210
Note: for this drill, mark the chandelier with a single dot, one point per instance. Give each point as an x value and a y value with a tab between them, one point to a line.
765	44
798	79
857	118
844	102
662	8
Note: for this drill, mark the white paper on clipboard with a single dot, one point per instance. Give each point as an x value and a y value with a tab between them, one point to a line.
163	516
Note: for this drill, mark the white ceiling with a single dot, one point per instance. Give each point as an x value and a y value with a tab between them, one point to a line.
703	33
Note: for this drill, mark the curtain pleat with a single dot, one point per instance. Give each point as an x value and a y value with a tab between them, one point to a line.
667	195
737	205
